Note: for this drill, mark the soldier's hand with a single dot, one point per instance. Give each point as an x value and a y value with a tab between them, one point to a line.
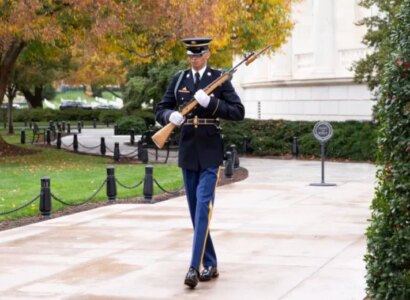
176	118
202	98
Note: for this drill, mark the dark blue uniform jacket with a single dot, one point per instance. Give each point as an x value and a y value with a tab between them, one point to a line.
200	147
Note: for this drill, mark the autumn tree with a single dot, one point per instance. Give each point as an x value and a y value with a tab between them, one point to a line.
104	37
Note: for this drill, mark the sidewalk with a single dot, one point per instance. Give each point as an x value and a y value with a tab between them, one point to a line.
276	238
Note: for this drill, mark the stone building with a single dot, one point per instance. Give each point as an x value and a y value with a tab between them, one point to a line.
310	77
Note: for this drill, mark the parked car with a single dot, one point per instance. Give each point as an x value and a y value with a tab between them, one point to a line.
104	106
73	104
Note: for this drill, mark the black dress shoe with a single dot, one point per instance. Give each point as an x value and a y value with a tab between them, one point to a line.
192	278
208	273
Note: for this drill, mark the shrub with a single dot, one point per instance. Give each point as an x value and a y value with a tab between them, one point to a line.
388	236
351	140
110	116
125	124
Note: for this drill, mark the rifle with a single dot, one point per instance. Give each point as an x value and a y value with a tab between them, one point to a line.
162	135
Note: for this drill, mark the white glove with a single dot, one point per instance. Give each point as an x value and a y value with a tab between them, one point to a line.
202	98
176	118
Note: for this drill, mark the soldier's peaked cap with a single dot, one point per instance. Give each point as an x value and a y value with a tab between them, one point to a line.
196	45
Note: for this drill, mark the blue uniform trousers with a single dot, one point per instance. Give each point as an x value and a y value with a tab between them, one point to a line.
200	190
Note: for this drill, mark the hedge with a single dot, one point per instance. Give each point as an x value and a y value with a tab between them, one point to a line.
352	140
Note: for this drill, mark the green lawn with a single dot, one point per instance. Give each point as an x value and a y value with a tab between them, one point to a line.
73	178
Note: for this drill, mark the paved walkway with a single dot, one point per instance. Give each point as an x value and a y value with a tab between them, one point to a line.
276	238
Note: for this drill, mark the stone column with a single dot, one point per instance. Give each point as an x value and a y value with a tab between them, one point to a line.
323	37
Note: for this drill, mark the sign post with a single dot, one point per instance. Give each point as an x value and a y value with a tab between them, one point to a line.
322	132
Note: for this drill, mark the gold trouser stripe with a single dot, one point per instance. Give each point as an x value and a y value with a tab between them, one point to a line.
209	218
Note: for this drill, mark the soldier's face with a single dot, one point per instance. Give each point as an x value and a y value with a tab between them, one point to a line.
199	61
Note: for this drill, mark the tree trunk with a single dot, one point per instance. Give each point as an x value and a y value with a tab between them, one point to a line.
10	116
11	94
35	100
8	60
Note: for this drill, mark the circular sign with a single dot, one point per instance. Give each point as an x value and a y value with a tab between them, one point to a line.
322	131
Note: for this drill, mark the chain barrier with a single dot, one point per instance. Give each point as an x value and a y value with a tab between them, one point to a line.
21	207
128	187
65	145
130	154
164	156
88	147
106	147
168	192
81	203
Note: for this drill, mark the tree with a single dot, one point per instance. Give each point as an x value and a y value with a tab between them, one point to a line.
103	37
370	68
388	255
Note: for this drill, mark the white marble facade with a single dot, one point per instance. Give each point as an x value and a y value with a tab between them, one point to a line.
309	78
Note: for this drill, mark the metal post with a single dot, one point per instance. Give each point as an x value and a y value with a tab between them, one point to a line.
117	152
59	140
139	150
68	127
75	143
63	126
45	197
22	136
102	146
245	144
322	156
229	165
295	148
111	184
144	153
148	182
48	136
235	157
79	127
94	123
132	137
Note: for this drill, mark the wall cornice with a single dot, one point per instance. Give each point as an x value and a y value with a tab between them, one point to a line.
300	82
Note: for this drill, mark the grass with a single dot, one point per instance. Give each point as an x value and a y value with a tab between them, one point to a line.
73	178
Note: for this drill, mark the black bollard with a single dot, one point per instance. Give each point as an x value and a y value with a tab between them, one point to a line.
244	144
229	165
68	127
79	127
148	182
139	150
75	143
295	148
45	197
102	146
94	123
59	140
22	136
117	152
144	153
63	126
111	184
235	156
48	136
132	137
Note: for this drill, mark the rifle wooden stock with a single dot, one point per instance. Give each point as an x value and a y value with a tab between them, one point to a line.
162	135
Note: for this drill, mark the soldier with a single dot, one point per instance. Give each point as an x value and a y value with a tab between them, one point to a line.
200	146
